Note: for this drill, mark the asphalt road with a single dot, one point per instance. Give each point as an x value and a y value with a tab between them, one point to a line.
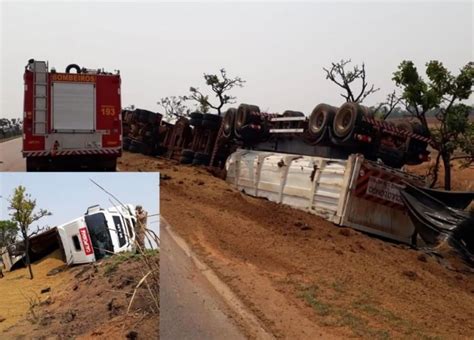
191	309
10	156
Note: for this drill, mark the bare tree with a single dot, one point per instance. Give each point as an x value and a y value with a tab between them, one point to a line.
220	85
174	107
385	109
346	79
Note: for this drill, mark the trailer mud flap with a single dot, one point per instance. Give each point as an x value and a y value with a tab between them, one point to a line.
436	222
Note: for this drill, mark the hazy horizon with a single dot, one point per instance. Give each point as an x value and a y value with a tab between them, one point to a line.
280	49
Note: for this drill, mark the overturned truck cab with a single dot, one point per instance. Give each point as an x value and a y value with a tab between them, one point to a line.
99	232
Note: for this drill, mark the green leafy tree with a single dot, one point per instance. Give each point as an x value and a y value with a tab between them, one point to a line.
22	208
8	232
174	107
347	80
442	93
220	84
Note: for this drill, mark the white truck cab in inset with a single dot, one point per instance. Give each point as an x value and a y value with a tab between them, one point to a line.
99	232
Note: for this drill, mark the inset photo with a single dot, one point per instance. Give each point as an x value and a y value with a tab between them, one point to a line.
79	255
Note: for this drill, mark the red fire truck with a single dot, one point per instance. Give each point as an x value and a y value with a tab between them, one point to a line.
72	121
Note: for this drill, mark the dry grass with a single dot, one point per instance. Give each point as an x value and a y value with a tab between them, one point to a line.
19	294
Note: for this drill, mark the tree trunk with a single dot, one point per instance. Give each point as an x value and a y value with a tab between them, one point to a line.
27	255
447	170
435	171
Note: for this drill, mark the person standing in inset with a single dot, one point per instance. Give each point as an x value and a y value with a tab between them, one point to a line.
141	225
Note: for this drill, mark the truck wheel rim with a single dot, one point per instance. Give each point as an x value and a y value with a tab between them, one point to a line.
343	122
318	123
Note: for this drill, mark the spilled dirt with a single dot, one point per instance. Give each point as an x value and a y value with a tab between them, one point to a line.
304	277
85	301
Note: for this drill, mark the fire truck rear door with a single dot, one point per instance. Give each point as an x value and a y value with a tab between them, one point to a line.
73	107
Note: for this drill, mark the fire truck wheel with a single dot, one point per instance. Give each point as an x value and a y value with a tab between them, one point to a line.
229	119
33	164
110	165
209	124
195	122
346	119
188	153
196	115
73	66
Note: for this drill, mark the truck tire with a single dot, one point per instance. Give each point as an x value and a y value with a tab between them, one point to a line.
228	122
201	158
187	153
196	115
195	122
244	117
211	117
146	116
209	124
73	66
135	146
110	165
346	119
32	165
186	160
251	134
320	121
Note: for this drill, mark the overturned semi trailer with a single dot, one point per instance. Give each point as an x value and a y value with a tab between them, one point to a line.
41	244
88	238
353	192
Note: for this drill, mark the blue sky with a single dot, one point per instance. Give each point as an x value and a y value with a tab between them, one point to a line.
67	195
279	48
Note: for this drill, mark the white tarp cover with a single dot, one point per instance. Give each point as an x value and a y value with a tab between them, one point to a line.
73	106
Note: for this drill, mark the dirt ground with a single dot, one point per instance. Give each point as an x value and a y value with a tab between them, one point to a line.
85	301
304	277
